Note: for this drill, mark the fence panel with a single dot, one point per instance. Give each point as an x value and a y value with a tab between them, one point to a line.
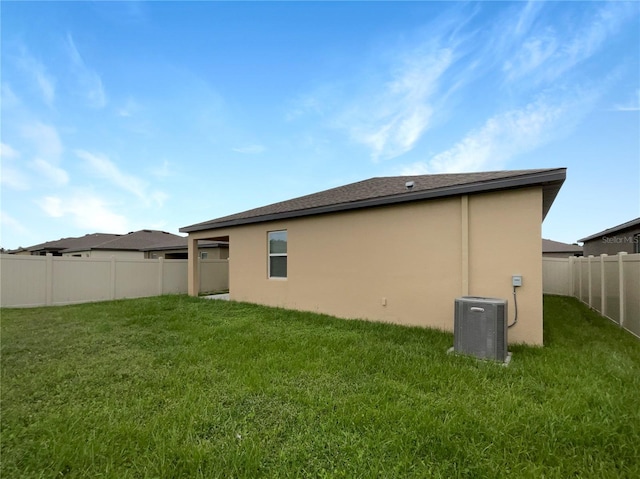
78	280
612	288
174	276
631	267
575	273
596	284
555	276
23	280
214	275
584	281
27	281
137	278
596	281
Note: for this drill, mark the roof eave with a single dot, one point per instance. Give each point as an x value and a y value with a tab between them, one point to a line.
550	180
615	229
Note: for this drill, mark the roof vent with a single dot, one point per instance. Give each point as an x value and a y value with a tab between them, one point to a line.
409	184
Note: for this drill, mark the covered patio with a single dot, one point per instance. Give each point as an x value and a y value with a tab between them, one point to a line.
193	272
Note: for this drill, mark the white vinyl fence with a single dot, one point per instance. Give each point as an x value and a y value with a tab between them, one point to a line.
608	284
27	281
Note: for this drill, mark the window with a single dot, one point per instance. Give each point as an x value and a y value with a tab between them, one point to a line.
204	255
277	254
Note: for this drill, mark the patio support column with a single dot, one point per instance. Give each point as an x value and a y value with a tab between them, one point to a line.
193	275
464	224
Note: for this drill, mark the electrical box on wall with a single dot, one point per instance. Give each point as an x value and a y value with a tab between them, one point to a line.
516	280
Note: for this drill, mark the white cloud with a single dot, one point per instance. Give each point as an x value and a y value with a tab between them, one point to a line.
633	105
250	149
527	17
41	77
44	138
129	108
549	53
390	121
88	79
7	96
534	52
509	134
13	178
104	168
10	176
87	211
11	223
159	197
163	171
7	152
53	173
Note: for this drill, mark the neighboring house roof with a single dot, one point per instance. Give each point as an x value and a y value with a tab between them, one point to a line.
83	242
393	190
134	241
180	242
615	229
550	246
19	249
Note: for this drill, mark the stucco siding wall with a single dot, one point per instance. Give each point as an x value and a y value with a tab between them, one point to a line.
504	240
401	264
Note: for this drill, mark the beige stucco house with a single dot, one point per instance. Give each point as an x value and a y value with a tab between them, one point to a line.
151	244
451	235
130	245
557	249
177	249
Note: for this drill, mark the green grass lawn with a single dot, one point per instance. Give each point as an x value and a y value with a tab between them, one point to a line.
175	386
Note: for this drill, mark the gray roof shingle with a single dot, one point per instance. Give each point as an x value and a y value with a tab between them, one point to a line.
550	246
391	190
615	229
82	242
134	241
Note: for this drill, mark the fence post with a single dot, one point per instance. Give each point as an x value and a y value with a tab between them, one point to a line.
589	276
580	279
621	285
160	275
570	269
49	279
112	292
603	290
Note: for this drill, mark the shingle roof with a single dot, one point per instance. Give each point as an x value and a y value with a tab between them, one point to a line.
550	246
391	190
82	242
180	242
133	241
615	229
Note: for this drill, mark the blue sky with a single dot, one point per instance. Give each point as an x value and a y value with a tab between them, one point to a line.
119	116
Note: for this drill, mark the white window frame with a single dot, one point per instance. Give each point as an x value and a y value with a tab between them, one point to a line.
270	255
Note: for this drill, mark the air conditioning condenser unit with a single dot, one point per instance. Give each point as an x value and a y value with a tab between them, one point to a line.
480	327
